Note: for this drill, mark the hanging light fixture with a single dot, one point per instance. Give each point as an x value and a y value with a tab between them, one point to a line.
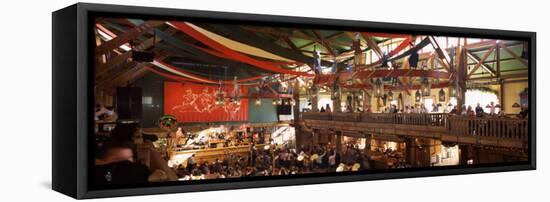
279	101
390	95
236	89
258	101
395	81
441	95
292	102
274	102
219	98
425	86
452	89
417	96
378	88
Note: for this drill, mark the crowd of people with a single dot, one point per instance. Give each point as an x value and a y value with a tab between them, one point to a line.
117	160
493	110
288	161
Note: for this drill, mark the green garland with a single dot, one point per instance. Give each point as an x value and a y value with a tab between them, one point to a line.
483	89
167	120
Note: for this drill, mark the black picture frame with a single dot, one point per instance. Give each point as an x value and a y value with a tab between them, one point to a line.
72	99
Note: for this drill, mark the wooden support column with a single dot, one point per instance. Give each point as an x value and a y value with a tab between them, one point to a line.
368	140
501	84
315	137
477	154
464	154
461	76
424	156
497	57
296	111
339	142
411	148
353	104
501	95
314	98
336	101
366	101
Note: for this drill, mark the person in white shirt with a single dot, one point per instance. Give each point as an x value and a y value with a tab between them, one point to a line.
332	160
492	108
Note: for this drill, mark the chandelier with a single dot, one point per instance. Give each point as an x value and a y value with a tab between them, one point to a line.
258	102
426	86
452	89
390	95
220	100
417	96
378	88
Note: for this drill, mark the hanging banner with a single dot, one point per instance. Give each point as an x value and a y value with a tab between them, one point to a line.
197	103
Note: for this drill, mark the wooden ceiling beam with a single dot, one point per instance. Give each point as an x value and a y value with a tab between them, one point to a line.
505	76
371	43
329	37
131	76
324	42
442	54
483	65
523	61
106	67
481	61
351	35
125	76
127	36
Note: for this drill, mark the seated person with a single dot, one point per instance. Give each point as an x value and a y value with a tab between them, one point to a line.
115	165
103	113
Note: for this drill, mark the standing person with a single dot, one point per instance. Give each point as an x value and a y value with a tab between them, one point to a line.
470	111
191	163
492	108
423	109
332	159
524	113
454	110
501	113
435	108
322	109
348	108
328	108
479	110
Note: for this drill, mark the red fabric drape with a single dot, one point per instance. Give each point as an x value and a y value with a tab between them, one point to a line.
209	80
182	26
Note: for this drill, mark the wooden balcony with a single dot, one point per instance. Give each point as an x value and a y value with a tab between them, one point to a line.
489	131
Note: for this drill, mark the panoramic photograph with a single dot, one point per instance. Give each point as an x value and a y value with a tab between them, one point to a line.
200	101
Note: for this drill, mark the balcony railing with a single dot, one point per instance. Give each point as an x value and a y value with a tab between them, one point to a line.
511	128
489	127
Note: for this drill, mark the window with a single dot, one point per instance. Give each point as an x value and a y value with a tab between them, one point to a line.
147	100
484	98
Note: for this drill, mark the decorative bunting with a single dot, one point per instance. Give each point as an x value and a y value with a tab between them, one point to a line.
186	28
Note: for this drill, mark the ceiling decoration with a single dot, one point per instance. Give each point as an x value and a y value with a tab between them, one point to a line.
248	55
